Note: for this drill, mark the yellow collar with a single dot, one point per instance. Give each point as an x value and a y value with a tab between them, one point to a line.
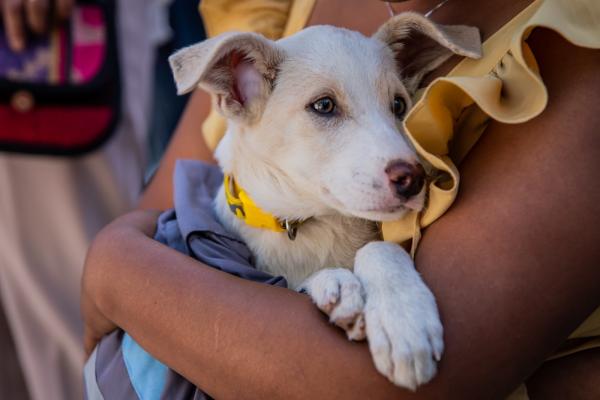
243	207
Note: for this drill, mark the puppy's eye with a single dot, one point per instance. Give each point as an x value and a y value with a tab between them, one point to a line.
399	107
325	105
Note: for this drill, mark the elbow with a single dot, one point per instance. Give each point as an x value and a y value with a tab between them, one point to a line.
110	252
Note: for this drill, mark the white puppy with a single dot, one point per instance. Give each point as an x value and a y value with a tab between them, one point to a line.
315	143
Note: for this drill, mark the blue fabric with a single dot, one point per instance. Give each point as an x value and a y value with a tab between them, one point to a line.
148	375
196	185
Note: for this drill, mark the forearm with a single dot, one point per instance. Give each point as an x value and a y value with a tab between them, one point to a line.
272	342
266	339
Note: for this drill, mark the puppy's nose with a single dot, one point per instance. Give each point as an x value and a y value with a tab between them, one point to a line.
407	179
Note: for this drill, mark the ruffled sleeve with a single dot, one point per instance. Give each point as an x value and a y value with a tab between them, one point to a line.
504	85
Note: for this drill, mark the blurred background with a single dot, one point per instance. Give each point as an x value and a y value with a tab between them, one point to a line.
87	108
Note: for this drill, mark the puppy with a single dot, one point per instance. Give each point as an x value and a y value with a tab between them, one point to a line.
315	154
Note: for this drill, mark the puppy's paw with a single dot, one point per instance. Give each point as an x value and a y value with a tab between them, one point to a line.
403	325
405	344
339	294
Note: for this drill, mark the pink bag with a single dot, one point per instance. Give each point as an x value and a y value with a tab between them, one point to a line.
61	95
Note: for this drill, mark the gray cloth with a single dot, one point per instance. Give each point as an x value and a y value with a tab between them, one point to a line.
192	227
123	370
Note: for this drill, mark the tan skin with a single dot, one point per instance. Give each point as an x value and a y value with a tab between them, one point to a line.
513	263
34	16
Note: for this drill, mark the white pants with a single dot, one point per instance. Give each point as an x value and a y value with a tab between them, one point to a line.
51	208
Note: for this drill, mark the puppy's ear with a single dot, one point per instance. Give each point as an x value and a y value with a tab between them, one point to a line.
238	69
421	46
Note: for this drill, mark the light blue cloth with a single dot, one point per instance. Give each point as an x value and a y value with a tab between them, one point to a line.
148	375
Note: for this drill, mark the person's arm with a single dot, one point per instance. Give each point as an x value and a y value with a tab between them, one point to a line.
187	143
513	266
234	338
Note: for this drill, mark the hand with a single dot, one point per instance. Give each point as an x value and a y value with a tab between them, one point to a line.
22	15
95	324
96	281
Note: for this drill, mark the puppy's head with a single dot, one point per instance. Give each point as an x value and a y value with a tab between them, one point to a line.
315	120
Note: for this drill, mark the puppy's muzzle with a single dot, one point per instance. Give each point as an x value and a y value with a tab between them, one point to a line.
406	179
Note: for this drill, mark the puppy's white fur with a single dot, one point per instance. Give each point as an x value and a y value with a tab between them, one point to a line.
330	171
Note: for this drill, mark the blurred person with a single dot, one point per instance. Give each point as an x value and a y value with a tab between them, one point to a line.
52	205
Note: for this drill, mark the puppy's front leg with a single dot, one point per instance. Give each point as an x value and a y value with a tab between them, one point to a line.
339	294
403	325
